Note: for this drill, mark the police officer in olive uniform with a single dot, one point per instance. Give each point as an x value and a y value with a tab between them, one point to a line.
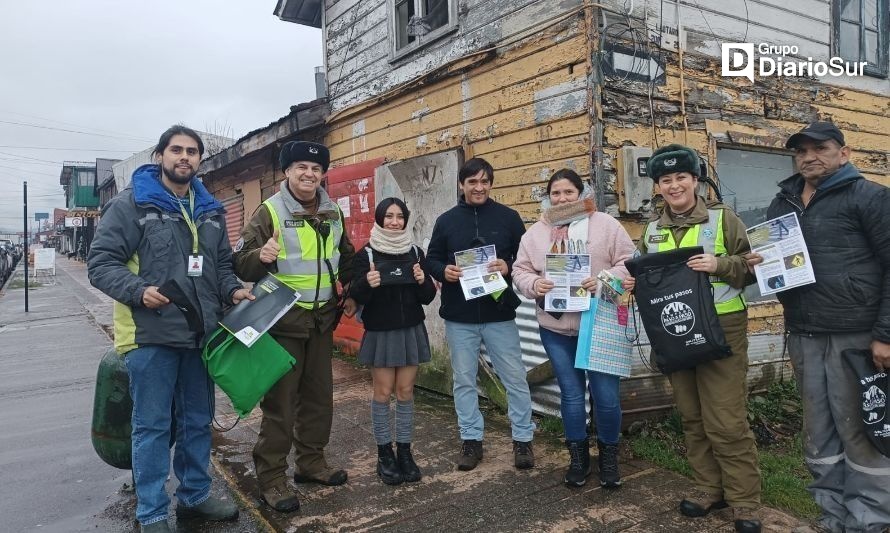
711	397
298	235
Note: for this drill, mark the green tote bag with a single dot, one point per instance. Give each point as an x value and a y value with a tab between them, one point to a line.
245	374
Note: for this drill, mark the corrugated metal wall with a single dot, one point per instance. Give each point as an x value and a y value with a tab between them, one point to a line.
234	207
645	391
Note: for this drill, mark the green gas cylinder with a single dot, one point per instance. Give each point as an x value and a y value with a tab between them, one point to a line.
112	411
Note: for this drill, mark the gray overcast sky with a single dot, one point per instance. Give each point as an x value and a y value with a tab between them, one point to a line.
128	70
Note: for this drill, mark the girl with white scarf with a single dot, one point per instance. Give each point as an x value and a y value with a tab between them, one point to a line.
391	283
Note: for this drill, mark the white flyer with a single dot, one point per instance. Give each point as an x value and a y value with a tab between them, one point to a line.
476	280
786	261
567	271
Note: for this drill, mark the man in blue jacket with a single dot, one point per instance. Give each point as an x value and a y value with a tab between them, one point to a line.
476	221
164	238
845	221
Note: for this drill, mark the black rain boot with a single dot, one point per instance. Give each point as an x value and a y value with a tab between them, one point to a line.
410	472
387	468
608	463
579	462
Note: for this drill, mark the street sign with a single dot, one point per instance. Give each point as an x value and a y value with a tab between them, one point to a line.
45	259
41	216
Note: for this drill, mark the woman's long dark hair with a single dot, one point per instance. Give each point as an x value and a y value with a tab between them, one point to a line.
380	212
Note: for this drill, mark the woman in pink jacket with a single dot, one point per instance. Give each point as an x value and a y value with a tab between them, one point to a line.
571	224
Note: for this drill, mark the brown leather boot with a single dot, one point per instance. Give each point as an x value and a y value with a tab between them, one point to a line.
281	498
324	476
470	454
701	503
746	520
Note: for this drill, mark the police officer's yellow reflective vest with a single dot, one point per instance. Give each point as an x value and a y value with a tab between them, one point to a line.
710	237
301	260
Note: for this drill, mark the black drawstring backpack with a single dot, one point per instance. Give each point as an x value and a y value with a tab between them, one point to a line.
875	387
676	306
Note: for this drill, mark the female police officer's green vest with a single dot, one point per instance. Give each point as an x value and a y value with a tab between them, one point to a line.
709	236
309	258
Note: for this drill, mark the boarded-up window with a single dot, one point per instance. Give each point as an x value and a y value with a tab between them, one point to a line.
748	183
748	180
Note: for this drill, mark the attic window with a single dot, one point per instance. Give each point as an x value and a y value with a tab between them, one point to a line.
415	23
860	33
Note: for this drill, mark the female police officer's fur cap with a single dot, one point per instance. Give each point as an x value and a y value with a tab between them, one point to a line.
672	158
304	151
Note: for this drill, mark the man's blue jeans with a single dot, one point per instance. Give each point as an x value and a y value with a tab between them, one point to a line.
604	389
158	375
501	341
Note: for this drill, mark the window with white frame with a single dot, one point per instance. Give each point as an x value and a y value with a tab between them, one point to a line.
415	23
86	178
861	30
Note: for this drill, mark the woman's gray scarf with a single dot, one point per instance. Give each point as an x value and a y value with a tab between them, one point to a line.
393	242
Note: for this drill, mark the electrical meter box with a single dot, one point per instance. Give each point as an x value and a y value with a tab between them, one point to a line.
635	186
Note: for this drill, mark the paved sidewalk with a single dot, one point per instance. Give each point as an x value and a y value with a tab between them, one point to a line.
493	497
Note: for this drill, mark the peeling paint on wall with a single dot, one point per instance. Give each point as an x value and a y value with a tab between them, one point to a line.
559	100
417	115
560	106
358	128
466	108
358	139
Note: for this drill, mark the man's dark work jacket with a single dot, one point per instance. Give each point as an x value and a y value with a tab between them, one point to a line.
463	227
846	227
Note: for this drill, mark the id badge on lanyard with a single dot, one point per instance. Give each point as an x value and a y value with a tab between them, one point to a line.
195	261
195	265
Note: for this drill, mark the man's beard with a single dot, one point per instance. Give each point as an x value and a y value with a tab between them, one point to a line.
170	172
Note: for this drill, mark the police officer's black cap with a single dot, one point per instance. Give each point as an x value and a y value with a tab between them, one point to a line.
304	151
817	131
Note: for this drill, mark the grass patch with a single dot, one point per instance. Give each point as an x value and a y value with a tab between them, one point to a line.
20	284
785	479
551	425
660	452
775	418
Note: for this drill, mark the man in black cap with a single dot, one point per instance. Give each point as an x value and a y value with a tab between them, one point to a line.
298	235
845	221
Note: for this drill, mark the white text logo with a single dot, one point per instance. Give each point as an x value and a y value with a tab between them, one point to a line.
737	59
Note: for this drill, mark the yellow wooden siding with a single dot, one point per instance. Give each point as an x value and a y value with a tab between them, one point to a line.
441	105
437	93
743	114
524	111
415	129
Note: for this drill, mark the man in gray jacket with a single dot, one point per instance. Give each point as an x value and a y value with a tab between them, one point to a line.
163	240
